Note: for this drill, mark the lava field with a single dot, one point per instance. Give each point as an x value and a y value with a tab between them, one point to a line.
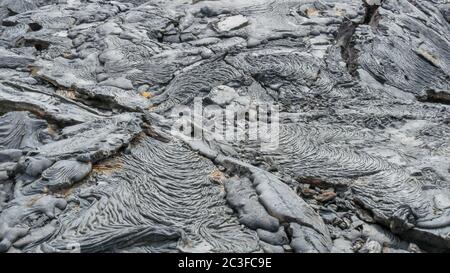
247	126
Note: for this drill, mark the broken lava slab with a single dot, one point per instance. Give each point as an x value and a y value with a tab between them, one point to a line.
231	23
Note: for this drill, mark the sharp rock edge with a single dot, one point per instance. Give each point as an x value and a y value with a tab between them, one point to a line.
88	161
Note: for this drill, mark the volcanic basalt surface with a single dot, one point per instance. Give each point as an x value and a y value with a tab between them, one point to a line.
89	160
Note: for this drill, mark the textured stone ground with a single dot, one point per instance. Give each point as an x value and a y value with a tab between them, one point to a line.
88	161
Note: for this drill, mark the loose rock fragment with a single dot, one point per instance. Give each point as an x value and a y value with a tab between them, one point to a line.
224	126
231	23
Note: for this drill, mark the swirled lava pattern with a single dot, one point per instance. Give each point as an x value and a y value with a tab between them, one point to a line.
358	160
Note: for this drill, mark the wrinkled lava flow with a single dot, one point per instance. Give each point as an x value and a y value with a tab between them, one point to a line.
89	159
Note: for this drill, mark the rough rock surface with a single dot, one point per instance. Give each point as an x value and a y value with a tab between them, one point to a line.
89	161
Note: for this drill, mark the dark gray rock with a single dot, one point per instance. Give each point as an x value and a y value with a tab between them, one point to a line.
274	238
98	139
20	131
242	197
90	93
169	202
60	175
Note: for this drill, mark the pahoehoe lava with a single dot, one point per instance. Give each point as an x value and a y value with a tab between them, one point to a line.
91	91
